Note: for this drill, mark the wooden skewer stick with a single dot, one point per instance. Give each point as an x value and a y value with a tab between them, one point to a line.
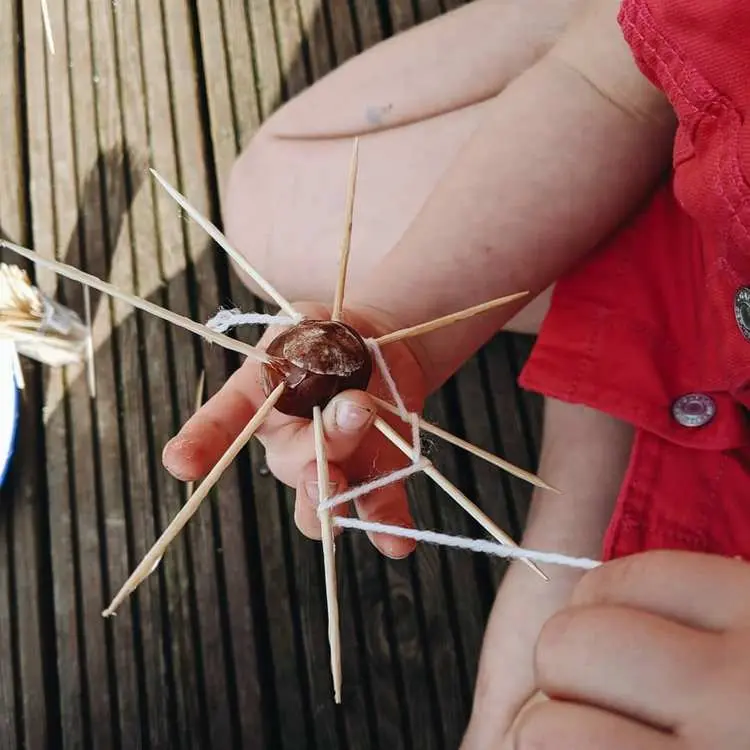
48	27
198	402
90	364
338	302
478	515
501	463
154	555
446	320
329	555
222	241
76	274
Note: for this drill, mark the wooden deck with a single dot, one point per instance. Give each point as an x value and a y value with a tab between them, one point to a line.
226	646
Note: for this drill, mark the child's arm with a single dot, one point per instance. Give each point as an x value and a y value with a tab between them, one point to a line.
585	454
565	152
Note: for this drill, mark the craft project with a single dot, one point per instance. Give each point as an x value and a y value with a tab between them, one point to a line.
303	368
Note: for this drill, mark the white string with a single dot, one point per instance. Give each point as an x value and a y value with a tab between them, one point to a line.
416	436
388	378
473	545
375	484
226	319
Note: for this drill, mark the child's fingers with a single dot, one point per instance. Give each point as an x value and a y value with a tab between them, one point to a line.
388	505
306	501
568	726
203	439
346	421
698	590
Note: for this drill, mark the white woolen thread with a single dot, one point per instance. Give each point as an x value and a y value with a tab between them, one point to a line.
226	319
388	378
375	484
473	545
416	437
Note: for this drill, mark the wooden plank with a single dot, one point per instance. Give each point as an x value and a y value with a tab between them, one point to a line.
104	203
368	24
317	37
241	71
274	633
493	488
310	604
342	30
23	704
112	710
44	238
533	403
267	69
401	15
466	576
357	713
228	80
12	198
9	701
290	47
116	71
240	669
509	426
194	631
171	374
389	712
428	9
31	631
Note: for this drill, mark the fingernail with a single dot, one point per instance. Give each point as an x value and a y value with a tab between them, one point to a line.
313	494
351	417
396	548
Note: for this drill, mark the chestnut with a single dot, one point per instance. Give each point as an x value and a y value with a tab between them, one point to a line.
323	358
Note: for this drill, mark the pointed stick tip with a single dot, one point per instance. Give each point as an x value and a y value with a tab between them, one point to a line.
446	320
346	242
145	567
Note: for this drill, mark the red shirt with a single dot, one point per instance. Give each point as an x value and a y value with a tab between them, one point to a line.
654	327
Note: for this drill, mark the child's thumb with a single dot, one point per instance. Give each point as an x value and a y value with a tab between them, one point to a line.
346	419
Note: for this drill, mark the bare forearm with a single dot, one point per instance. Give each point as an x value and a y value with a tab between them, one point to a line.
558	162
585	454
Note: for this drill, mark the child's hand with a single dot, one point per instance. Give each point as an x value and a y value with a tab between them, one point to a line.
653	652
355	451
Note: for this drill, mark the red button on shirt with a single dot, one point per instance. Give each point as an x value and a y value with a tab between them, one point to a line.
657	312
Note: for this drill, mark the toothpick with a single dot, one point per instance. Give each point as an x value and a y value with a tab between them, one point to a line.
179	320
338	302
152	558
198	401
446	320
222	241
450	489
48	27
329	555
501	463
91	372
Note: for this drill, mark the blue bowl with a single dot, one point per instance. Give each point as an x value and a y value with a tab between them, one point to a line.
9	407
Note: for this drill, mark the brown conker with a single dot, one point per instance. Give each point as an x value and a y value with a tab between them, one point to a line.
324	358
